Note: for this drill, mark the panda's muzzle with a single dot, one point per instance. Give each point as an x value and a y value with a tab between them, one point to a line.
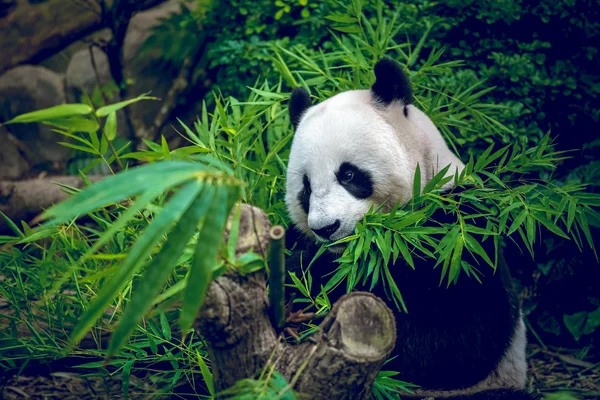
327	231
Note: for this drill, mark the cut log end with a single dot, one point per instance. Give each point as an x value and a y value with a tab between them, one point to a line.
277	232
364	327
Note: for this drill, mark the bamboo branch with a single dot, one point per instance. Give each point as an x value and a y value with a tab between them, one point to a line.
277	275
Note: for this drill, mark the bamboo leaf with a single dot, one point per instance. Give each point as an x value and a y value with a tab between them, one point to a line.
121	186
456	259
74	123
585	228
549	224
164	324
530	229
348	28
517	222
80	148
56	112
481	231
206	374
404	250
396	295
417	183
106	110
590	199
345	19
164	221
125	378
436	179
162	264
13	227
571	213
205	256
267	94
482	159
473	245
110	126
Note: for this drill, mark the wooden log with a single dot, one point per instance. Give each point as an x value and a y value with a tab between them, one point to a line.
23	200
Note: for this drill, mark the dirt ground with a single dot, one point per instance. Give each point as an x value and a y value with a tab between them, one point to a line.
551	370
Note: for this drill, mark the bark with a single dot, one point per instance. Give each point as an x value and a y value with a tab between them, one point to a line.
33	32
340	361
23	200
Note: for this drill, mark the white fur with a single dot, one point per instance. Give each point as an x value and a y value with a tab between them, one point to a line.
351	127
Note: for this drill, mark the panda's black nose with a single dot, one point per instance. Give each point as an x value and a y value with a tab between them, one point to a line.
328	230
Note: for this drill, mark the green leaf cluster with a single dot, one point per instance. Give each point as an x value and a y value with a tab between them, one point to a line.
268	386
202	196
493	192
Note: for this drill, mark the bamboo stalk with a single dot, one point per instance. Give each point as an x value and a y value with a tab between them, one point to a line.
277	275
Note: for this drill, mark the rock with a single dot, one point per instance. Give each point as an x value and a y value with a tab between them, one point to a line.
24	89
13	163
141	70
141	25
80	77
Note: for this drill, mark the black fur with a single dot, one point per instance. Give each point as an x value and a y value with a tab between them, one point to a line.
360	185
391	83
299	102
452	337
304	195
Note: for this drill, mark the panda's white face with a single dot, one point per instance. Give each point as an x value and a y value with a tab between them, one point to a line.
353	151
344	157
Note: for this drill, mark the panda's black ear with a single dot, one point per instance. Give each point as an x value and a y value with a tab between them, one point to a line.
391	83
299	103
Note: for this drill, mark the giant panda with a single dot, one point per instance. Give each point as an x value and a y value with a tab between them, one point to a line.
361	148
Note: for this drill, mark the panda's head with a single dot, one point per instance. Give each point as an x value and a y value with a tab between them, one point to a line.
357	149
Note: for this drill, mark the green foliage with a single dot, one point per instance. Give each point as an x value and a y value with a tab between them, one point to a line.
386	387
158	227
582	323
271	385
52	113
204	196
526	49
523	48
561	396
240	52
178	36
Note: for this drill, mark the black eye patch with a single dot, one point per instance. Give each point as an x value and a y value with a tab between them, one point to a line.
304	195
356	181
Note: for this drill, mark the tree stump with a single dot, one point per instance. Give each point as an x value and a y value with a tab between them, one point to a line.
23	200
340	361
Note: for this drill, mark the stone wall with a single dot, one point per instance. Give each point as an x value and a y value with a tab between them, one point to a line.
29	149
